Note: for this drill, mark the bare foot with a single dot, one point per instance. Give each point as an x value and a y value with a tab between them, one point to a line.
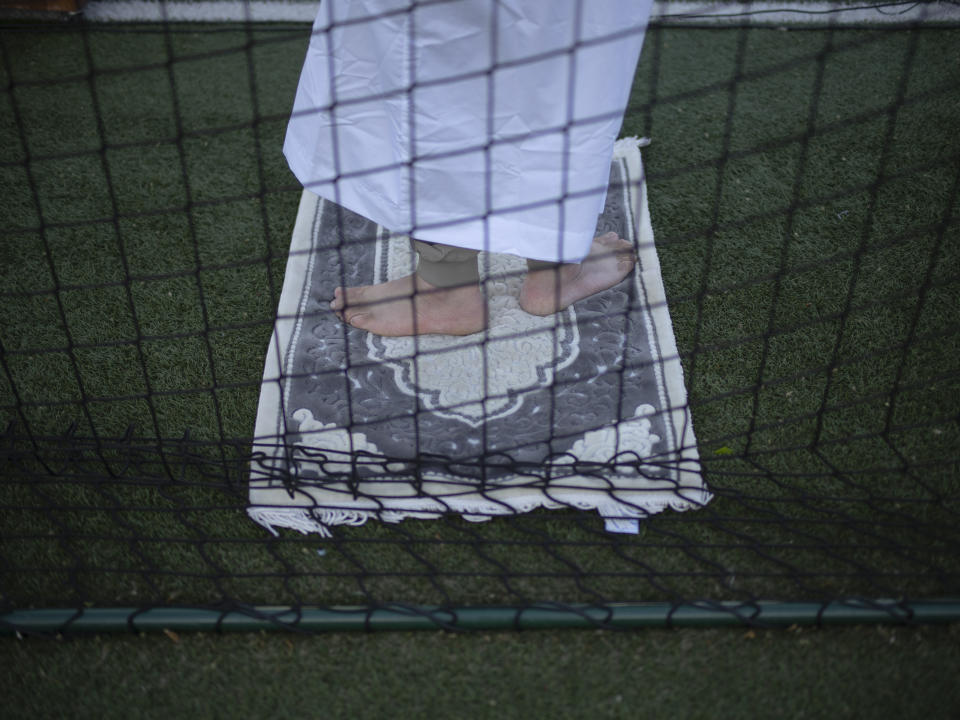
610	260
411	306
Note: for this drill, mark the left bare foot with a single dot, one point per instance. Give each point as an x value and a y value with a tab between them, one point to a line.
610	260
411	306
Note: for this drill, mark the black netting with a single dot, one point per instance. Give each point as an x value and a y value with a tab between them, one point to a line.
802	182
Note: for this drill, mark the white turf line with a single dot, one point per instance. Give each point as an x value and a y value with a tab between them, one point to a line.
758	13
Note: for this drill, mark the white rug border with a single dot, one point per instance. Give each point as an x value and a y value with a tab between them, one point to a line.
289	319
656	297
272	506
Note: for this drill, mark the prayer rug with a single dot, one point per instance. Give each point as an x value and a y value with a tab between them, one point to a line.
585	409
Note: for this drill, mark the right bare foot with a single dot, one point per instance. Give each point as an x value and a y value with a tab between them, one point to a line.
610	260
411	306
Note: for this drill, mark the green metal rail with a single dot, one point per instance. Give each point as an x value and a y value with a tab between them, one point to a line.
616	616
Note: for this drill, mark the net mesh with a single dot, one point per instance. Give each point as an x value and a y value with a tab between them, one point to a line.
803	186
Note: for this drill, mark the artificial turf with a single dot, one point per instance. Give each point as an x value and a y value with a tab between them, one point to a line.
860	672
803	188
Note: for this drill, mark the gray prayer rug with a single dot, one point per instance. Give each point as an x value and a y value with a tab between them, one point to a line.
585	409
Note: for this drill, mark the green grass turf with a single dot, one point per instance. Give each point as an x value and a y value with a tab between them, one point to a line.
864	672
803	220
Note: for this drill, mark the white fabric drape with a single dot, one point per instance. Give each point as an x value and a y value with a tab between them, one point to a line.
484	124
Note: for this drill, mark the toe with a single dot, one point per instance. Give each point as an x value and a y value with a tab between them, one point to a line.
352	313
359	320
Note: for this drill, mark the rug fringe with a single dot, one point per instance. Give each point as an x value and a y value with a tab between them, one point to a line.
315	520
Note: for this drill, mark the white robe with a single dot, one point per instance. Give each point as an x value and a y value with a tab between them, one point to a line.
484	124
